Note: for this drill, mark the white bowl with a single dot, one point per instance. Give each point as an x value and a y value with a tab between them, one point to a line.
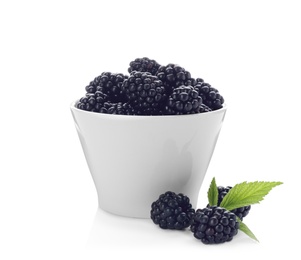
134	159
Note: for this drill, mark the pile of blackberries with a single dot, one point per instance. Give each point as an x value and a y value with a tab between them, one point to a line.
211	225
150	89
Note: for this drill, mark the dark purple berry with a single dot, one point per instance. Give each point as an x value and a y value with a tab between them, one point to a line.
183	100
144	65
214	225
110	84
172	211
211	97
174	76
145	92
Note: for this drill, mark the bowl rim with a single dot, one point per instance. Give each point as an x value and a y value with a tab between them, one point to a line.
73	107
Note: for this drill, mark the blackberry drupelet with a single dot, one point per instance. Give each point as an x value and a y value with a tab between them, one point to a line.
239	212
184	100
144	91
144	65
211	97
109	84
172	211
173	76
214	225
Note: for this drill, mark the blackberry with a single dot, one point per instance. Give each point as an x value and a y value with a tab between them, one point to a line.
214	225
184	100
144	65
173	76
109	84
211	97
144	91
99	102
239	212
92	101
172	211
117	108
204	108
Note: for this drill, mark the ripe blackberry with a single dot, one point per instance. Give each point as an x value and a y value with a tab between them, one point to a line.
117	108
144	65
92	101
214	225
211	97
173	76
184	100
144	91
172	211
109	84
99	102
239	212
204	108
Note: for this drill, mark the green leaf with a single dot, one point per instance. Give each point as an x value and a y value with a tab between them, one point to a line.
247	193
213	193
243	227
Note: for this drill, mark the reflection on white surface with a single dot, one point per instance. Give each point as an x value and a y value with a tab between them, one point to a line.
109	230
112	231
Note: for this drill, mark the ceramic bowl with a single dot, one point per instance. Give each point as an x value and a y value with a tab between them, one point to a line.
134	159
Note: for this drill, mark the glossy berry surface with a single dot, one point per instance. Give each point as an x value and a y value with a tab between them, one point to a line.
210	96
99	103
144	65
117	109
110	84
239	212
184	100
92	101
204	108
150	89
172	211
173	76
214	225
144	91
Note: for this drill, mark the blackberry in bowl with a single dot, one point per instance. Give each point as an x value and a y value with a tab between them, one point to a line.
184	100
173	76
144	91
144	65
145	133
109	84
210	96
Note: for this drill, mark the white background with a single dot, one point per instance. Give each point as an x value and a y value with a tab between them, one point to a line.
50	50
